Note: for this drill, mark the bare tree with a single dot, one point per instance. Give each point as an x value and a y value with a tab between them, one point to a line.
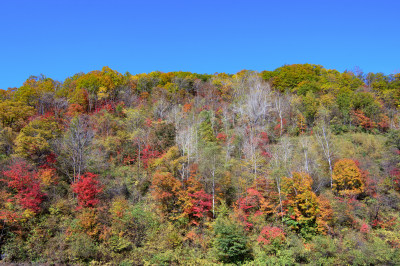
257	102
186	140
281	106
228	121
76	146
305	146
254	106
160	108
137	134
324	138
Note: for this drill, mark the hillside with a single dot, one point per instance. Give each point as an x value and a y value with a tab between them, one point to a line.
300	165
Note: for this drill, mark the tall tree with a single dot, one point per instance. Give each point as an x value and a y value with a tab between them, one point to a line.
75	147
324	138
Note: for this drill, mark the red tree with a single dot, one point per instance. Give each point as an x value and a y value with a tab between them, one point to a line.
21	178
270	234
363	121
87	189
147	154
201	207
250	207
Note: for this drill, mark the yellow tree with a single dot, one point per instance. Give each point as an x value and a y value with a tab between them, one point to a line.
14	114
348	179
33	141
301	204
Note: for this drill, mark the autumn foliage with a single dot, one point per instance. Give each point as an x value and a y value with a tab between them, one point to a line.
301	203
348	179
25	184
271	234
87	189
182	168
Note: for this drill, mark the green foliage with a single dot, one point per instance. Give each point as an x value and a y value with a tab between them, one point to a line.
230	242
344	102
366	102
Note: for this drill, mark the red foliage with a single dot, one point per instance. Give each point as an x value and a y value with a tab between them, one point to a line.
147	154
249	206
363	121
263	142
149	123
50	161
395	174
87	189
277	128
364	228
105	106
202	204
26	184
384	222
269	234
75	109
127	160
222	137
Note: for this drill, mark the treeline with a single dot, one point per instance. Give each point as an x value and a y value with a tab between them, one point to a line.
299	165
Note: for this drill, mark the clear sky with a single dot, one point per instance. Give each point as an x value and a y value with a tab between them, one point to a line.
60	38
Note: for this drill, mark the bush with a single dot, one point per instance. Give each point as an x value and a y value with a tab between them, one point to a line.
230	242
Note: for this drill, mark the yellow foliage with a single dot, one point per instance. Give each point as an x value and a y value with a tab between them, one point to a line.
88	221
48	176
27	214
102	94
325	215
300	197
347	178
118	208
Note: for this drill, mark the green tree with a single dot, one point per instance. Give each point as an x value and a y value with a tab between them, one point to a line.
230	242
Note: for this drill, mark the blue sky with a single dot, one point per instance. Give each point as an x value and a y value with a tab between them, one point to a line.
60	38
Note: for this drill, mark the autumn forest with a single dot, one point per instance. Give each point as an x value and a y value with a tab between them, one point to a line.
299	165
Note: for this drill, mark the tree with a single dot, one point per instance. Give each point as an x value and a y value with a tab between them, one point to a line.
348	179
324	138
301	203
281	166
209	165
230	242
34	139
201	206
271	235
166	190
254	105
75	147
250	206
15	114
21	178
7	137
281	106
344	103
87	188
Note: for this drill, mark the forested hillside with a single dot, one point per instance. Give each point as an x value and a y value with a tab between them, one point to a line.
299	165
